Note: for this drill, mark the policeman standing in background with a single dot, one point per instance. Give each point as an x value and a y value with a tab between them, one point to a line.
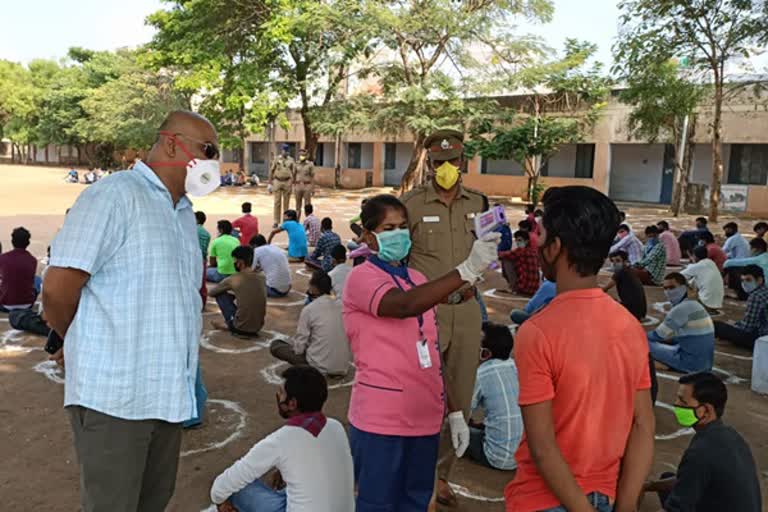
305	176
441	215
281	176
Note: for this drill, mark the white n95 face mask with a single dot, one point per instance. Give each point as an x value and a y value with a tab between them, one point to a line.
203	177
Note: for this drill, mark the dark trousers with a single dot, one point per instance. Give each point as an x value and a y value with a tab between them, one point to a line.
283	351
664	495
393	473
733	334
733	274
125	465
476	449
226	302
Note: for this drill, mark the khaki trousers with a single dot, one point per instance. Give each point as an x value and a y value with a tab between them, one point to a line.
303	192
282	198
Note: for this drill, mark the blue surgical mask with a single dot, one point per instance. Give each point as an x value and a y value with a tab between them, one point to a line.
749	286
393	245
676	295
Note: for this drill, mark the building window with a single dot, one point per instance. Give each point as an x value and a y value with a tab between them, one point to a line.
585	160
748	165
231	156
319	152
390	155
258	152
354	155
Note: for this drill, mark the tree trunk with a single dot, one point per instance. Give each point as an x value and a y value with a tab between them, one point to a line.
337	162
46	155
310	137
241	156
79	154
717	152
13	152
414	173
683	173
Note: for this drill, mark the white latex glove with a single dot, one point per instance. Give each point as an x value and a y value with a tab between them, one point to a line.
459	432
269	188
484	252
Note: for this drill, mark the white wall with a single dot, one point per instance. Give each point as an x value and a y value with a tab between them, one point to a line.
563	163
504	167
702	163
403	152
636	172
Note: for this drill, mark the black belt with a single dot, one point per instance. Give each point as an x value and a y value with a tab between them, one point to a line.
281	179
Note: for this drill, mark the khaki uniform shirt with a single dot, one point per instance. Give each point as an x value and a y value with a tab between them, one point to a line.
282	168
305	172
442	236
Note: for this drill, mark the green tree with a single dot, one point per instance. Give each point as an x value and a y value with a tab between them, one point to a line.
664	110
17	106
709	34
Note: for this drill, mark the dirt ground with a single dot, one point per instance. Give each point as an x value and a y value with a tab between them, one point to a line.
39	470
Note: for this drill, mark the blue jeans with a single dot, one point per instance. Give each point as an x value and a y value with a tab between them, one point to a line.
274	293
600	502
672	356
257	497
201	396
483	309
393	473
214	276
226	302
519	316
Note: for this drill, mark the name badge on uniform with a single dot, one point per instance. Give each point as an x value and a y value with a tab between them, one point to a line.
425	360
431	219
471	216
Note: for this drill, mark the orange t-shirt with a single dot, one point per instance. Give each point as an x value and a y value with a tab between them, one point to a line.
588	355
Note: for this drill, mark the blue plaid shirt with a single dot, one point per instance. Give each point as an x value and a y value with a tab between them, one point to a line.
328	240
756	317
132	348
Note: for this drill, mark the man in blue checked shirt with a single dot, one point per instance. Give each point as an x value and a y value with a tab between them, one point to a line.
129	309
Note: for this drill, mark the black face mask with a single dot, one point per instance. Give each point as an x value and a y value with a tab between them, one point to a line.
547	268
282	407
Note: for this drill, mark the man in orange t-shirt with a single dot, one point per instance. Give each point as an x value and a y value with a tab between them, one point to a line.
583	369
248	225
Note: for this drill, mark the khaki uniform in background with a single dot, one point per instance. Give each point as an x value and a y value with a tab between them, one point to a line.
442	239
305	186
281	174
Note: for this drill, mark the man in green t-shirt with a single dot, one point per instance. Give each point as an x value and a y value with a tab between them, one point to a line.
222	264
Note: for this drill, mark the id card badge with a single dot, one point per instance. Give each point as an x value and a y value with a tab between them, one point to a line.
425	360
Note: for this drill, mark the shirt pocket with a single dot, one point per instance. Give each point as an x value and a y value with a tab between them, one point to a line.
433	236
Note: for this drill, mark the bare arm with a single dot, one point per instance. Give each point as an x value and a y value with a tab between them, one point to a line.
273	233
665	485
61	296
397	303
212	262
540	429
222	287
608	286
638	454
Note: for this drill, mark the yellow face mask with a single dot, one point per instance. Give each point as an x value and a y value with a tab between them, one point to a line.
447	175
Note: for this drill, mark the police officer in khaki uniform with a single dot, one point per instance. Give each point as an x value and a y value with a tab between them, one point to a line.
305	176
441	216
281	176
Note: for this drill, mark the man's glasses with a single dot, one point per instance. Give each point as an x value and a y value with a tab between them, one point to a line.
209	149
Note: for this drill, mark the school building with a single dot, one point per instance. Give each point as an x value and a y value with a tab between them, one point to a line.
609	160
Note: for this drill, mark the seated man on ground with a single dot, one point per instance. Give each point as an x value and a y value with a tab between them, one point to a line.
671	244
760	229
221	264
19	286
689	239
247	224
341	270
297	238
242	297
310	453
735	246
527	226
520	266
320	339
311	225
274	263
650	270
717	471
734	267
493	442
89	177
72	176
541	298
704	277
714	251
629	243
628	286
755	322
321	257
685	340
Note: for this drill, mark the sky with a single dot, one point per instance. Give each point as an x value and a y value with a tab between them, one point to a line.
48	28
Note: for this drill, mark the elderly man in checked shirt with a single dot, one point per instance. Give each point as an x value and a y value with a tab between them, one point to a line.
129	310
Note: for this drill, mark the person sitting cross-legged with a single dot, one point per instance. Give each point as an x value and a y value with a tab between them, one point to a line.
704	277
628	242
297	238
685	340
274	263
714	251
717	471
19	286
248	225
628	286
242	297
320	339
671	245
520	266
689	239
310	453
493	442
755	322
321	257
734	267
341	270
650	269
221	264
311	225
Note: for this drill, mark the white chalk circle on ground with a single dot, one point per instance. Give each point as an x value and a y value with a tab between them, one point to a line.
277	303
272	376
237	431
492	293
51	370
303	272
3	319
650	320
462	491
735	356
252	344
13	341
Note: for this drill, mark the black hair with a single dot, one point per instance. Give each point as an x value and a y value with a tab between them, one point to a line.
309	209
622	215
322	281
20	238
339	253
307	386
375	209
700	252
291	214
761	225
257	241
708	388
731	225
498	340
624	227
529	208
201	217
707	237
755	271
525	224
243	253
677	277
538	213
701	220
585	221
225	227
652	230
759	244
624	255
663	225
246	207
522	234
326	224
